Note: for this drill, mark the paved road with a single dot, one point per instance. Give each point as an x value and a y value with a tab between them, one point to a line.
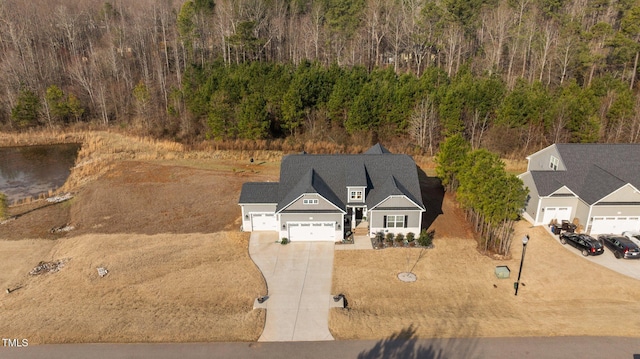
298	278
521	348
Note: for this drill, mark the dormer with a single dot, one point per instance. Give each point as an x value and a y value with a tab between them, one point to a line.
356	177
356	194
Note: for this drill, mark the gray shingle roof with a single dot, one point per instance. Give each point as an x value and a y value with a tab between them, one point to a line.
259	192
593	170
377	149
383	174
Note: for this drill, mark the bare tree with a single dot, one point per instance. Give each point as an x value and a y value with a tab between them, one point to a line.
423	124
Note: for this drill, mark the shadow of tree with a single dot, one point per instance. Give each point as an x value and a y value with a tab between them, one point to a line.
432	197
404	344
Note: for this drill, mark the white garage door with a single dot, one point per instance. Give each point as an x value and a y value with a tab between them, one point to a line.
614	225
312	231
263	222
557	213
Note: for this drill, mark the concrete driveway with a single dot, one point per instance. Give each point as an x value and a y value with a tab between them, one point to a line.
628	267
298	279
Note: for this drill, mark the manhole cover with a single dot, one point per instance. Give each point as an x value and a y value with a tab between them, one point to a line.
407	277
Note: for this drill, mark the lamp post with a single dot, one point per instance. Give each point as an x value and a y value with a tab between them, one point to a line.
525	240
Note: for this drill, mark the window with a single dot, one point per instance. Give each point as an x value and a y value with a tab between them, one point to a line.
553	163
394	222
309	201
356	195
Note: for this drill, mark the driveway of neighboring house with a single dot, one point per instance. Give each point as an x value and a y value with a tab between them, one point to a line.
298	279
628	267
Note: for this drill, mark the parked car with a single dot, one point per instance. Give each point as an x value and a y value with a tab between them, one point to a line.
586	244
633	236
621	247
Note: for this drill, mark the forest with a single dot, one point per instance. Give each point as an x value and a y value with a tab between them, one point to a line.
510	76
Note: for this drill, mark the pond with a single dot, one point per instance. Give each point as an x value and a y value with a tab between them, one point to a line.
32	170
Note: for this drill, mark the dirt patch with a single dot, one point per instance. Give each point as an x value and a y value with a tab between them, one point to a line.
146	197
149	198
36	220
458	295
173	288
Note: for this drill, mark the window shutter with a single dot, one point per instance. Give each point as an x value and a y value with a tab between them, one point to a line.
384	221
406	219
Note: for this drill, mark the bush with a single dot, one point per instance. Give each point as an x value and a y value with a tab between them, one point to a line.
411	237
379	237
399	237
426	238
284	240
389	237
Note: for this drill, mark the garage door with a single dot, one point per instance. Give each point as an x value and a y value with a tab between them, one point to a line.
263	222
312	231
614	225
557	213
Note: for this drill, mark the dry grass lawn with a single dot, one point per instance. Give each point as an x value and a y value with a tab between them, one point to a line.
455	296
160	288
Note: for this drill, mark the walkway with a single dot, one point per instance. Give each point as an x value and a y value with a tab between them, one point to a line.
298	279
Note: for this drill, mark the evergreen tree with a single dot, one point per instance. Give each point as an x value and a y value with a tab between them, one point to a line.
27	109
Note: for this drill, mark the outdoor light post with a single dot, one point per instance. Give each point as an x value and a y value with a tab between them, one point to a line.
525	239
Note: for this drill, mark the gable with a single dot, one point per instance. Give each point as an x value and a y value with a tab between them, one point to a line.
310	202
563	191
541	160
626	193
396	202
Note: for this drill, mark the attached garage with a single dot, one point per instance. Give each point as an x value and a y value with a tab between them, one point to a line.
614	225
263	222
557	213
311	231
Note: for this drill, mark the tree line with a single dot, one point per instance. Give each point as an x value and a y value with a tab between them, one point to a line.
507	74
492	198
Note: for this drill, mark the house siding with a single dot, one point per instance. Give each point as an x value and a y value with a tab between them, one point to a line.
625	193
563	190
615	211
394	202
247	209
376	221
534	198
298	205
582	214
539	161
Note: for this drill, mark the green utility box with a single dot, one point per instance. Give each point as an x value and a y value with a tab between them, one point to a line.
503	272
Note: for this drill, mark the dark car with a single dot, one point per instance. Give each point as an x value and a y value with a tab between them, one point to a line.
620	246
586	244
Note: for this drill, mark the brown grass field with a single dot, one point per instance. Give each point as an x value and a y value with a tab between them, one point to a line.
454	296
164	220
160	288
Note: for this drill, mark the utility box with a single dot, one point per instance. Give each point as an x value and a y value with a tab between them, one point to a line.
503	272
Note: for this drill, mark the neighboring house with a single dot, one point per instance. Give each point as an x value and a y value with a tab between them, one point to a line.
595	185
321	197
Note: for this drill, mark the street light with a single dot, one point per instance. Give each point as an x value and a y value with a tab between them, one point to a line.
525	240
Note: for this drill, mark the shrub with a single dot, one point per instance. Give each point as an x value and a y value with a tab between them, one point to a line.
379	237
284	240
389	237
426	238
411	237
399	237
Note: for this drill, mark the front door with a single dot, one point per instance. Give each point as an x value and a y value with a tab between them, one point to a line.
359	211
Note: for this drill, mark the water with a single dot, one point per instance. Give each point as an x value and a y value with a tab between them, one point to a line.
32	170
